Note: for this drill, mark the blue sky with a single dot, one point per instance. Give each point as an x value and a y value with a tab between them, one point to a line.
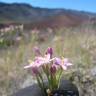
86	5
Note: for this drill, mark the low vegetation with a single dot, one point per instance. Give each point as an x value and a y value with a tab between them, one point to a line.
78	44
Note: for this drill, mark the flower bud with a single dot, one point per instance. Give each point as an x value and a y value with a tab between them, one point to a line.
50	51
35	70
53	69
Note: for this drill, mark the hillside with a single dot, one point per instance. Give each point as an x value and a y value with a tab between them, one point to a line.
41	17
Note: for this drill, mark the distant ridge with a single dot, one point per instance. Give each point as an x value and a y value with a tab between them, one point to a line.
41	17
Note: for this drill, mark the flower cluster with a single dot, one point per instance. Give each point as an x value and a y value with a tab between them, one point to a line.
52	67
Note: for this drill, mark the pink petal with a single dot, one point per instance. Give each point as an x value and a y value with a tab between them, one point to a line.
69	64
64	67
28	66
66	60
57	61
47	56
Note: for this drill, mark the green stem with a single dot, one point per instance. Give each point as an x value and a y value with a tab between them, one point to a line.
54	81
42	80
46	71
59	78
41	84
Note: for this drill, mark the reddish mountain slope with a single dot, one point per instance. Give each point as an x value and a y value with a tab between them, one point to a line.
63	20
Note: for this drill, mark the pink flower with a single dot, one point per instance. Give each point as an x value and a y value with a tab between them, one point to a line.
39	61
64	63
51	67
43	60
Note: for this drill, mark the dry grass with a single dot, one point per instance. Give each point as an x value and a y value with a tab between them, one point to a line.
78	44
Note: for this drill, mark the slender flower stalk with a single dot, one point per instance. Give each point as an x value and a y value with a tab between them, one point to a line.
51	67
